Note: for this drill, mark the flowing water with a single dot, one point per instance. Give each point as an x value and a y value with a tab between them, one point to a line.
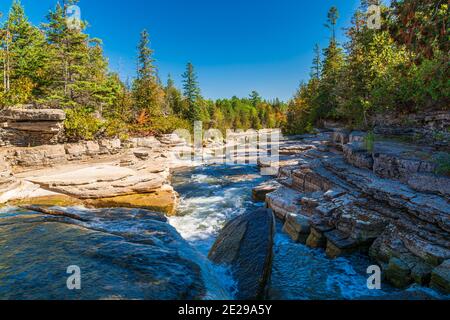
210	196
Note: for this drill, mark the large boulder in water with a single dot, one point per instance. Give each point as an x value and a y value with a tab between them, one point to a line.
122	254
246	244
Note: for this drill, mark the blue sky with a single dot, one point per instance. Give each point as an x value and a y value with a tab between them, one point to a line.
236	45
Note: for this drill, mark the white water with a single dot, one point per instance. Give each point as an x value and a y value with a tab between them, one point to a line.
211	196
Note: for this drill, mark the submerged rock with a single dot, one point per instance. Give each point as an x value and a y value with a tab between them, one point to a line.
122	254
246	244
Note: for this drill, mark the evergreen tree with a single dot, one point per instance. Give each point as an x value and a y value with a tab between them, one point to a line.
317	63
332	17
70	54
255	98
147	91
191	93
332	64
24	57
173	103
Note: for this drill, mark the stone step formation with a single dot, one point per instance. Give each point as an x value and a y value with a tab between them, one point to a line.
345	199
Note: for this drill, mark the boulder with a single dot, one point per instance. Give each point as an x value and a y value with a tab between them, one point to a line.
339	243
246	245
75	151
101	181
340	137
316	239
141	154
92	148
109	146
27	127
40	156
421	273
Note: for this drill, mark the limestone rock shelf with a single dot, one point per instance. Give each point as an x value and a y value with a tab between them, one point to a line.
105	173
389	204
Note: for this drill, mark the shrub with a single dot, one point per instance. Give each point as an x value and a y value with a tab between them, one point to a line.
81	124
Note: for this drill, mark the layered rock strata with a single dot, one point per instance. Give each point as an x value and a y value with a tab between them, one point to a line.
338	199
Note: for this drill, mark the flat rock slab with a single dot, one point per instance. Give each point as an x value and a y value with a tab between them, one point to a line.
102	173
21	114
164	200
101	181
260	192
246	244
122	254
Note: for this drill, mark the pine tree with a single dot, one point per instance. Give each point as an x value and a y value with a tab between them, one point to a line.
326	101
147	91
255	98
24	57
173	104
191	93
317	63
332	17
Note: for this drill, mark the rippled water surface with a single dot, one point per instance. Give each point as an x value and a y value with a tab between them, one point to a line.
34	256
210	196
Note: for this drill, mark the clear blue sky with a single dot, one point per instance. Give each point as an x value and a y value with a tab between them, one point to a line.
236	45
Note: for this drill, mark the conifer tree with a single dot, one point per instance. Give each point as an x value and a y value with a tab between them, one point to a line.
191	93
173	104
317	63
24	57
332	17
147	91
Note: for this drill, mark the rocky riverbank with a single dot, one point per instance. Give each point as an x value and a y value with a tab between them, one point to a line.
388	203
105	173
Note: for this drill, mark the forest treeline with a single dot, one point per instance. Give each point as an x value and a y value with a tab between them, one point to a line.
57	66
401	67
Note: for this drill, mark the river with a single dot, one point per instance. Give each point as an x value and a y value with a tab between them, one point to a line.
210	196
35	252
